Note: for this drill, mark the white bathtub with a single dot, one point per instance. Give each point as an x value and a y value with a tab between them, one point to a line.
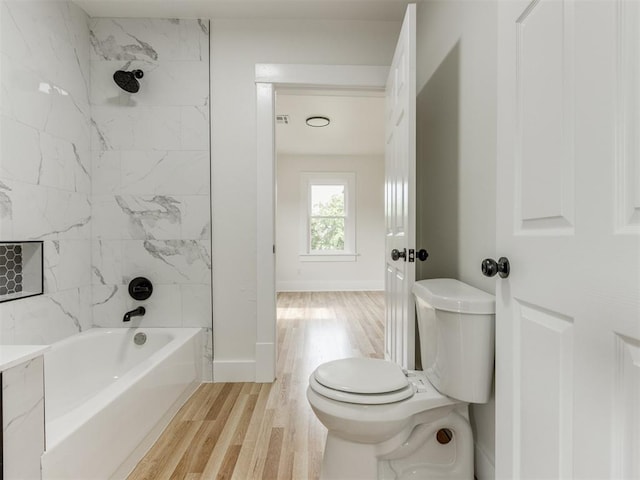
107	399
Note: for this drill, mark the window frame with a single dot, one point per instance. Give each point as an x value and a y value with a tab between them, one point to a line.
346	179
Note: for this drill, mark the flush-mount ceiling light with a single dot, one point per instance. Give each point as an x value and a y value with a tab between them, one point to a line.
318	121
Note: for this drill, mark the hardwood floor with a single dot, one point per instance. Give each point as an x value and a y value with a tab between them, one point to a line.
268	431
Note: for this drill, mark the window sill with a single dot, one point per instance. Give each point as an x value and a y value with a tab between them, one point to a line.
327	257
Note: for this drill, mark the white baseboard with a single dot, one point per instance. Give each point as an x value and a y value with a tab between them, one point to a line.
329	286
265	362
484	466
234	371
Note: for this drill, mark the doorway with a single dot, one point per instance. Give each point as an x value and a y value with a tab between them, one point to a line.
268	79
330	190
329	225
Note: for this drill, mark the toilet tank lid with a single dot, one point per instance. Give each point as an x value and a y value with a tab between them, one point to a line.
453	295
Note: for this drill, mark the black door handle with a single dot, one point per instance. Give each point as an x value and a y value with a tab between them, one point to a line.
397	254
490	267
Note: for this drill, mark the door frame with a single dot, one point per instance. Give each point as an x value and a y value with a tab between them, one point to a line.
268	77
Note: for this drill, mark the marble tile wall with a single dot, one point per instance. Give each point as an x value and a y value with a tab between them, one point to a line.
45	162
116	185
151	172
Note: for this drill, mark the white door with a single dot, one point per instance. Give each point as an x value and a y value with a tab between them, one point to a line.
568	316
400	161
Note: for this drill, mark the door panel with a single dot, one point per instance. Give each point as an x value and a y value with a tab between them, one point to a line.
400	195
544	95
626	461
628	159
548	388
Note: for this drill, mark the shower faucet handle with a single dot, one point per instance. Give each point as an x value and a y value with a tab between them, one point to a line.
140	288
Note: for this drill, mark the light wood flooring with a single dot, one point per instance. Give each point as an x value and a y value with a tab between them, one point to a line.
268	431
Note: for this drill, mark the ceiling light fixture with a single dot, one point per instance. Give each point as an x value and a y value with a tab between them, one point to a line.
318	121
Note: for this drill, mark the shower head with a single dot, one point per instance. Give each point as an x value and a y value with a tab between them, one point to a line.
128	81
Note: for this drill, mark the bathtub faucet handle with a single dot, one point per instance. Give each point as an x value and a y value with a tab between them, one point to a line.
136	312
140	288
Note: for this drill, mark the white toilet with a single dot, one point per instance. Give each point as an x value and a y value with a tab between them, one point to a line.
385	423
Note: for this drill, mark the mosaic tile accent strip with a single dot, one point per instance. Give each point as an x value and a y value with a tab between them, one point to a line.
10	269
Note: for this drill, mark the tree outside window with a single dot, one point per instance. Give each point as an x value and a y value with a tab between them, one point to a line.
329	213
327	221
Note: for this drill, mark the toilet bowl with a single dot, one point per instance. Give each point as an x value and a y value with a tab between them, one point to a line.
387	423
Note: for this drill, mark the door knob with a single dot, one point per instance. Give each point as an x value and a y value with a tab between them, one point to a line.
490	267
422	254
397	254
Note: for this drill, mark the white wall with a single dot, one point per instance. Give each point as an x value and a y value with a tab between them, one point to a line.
237	45
456	115
367	272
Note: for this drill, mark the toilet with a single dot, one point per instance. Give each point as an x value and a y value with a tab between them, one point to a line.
387	423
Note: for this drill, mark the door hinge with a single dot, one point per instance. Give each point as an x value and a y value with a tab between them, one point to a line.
412	255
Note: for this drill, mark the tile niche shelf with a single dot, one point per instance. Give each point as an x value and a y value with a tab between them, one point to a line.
21	273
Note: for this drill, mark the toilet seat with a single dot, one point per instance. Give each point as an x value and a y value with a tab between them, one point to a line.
364	381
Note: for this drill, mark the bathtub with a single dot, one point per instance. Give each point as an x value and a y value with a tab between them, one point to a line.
108	399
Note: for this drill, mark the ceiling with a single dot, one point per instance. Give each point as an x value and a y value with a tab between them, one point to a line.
391	10
357	124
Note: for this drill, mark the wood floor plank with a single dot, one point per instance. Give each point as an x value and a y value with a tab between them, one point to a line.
232	424
218	406
287	454
273	454
247	431
245	419
200	410
229	462
250	445
197	456
259	457
213	466
162	462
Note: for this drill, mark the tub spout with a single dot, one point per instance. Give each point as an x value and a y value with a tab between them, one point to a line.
137	312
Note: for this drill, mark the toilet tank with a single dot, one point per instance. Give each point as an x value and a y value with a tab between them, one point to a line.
456	323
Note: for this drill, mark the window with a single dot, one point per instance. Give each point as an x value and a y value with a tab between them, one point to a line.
329	217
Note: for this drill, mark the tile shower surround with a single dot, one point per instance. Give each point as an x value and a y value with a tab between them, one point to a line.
45	163
150	164
116	185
